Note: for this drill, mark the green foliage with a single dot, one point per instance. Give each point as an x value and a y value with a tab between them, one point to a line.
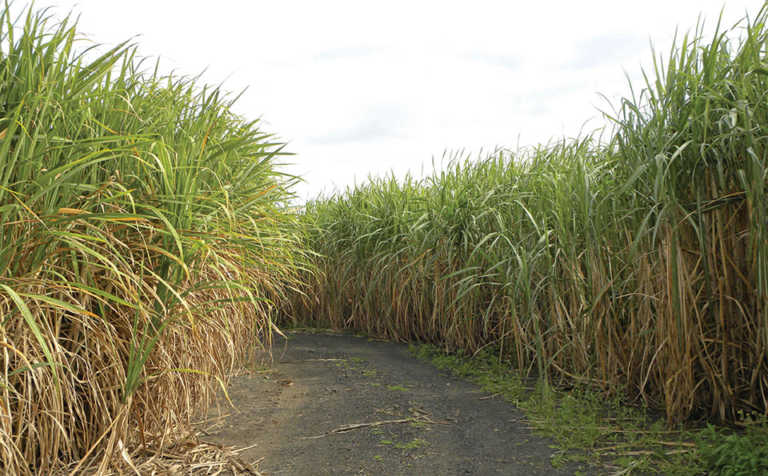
731	454
485	369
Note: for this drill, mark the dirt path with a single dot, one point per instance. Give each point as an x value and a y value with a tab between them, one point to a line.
338	404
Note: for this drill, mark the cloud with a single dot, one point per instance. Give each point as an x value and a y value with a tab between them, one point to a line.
500	61
610	48
377	123
347	52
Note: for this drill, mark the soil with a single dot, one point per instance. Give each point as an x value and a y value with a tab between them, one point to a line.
344	405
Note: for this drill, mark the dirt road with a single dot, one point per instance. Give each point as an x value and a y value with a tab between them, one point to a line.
344	405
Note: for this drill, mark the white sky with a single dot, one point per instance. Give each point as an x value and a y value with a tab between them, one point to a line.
363	87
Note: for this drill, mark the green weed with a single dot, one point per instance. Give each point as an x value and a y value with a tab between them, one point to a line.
730	453
586	427
412	445
397	388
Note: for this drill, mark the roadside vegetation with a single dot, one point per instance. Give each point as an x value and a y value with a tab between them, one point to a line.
633	265
144	246
606	433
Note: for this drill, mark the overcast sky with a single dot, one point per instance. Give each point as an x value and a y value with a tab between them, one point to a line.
363	87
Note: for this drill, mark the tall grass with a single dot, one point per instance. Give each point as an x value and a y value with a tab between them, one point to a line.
636	265
143	247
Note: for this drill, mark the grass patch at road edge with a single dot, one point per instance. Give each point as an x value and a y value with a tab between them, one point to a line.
613	437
